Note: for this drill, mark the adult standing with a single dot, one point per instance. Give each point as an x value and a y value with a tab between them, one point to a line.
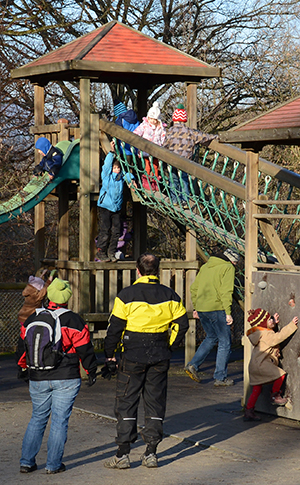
211	295
150	320
54	391
182	140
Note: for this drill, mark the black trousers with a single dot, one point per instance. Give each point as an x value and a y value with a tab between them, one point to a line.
150	381
109	230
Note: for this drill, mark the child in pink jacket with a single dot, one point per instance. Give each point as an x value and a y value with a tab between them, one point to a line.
153	130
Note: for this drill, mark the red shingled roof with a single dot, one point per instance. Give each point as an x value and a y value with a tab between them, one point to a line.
117	43
284	116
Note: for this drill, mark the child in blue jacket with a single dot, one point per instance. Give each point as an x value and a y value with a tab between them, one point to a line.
52	158
110	203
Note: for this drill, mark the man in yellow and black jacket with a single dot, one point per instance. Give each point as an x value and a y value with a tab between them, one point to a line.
149	320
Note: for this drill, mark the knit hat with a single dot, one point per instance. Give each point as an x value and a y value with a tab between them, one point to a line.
37	282
119	107
154	111
258	317
180	114
232	255
43	144
59	291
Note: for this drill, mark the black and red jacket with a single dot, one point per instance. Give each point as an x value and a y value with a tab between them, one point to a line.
76	343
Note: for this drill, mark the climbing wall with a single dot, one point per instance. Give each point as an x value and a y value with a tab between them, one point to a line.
279	292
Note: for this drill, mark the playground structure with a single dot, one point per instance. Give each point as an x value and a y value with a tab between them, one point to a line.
224	185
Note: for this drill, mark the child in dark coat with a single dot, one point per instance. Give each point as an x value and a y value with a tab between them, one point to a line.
52	158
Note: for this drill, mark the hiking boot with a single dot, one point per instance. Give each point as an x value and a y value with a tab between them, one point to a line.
277	399
250	415
150	461
61	469
101	256
112	257
225	382
120	463
192	373
28	469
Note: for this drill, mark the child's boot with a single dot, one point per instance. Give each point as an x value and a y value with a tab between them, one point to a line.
250	415
277	399
101	256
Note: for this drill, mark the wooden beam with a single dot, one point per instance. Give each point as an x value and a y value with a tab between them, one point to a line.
272	237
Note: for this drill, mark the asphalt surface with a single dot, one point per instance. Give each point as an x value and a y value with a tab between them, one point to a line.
206	440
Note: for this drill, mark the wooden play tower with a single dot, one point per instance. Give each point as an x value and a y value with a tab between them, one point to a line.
114	53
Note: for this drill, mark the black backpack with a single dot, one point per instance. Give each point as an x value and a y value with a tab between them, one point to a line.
43	340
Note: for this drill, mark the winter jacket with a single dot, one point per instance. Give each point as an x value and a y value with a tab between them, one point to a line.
182	140
128	121
149	319
263	366
33	299
155	134
50	163
213	287
76	343
111	193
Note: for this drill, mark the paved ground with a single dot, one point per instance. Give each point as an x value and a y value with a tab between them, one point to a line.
206	441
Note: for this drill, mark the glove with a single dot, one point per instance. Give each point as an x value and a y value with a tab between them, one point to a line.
37	170
110	369
53	273
92	379
23	374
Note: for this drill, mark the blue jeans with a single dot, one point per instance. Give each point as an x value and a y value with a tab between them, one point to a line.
175	187
217	332
55	397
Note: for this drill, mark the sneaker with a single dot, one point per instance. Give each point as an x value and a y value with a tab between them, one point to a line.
112	258
278	400
120	463
250	415
28	469
225	382
150	461
192	373
61	469
101	256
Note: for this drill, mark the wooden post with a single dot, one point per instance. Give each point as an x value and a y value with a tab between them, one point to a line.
191	252
63	210
139	210
84	194
192	105
251	248
95	153
191	243
39	210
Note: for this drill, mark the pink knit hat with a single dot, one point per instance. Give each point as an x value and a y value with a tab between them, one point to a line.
180	114
36	282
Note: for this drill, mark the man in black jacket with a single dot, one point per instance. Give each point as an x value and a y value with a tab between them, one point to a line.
54	390
150	321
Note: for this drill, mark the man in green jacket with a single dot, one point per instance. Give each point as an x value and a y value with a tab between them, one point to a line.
211	295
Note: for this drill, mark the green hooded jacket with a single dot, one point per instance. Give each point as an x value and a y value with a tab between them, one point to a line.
213	287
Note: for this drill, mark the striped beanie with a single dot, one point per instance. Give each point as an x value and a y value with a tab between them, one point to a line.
119	107
180	114
258	317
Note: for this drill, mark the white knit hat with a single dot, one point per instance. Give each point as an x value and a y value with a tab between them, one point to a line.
154	111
